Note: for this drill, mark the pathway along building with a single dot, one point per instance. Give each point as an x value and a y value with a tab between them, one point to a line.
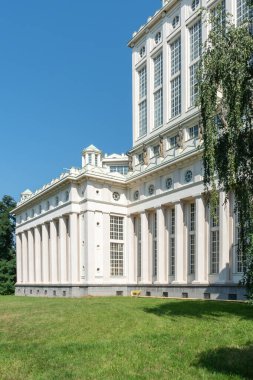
139	221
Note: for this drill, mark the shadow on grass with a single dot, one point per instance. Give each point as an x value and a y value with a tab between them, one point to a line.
201	309
229	361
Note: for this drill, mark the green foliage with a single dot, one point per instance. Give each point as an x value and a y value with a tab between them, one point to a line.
7	246
226	101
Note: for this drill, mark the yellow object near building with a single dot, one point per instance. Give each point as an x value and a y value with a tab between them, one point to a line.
135	293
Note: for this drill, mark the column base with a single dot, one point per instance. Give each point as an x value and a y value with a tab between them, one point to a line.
178	283
196	282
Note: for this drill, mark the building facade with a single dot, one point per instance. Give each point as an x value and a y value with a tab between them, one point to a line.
139	221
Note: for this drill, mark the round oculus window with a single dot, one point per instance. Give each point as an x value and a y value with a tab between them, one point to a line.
116	196
188	176
136	195
151	189
168	183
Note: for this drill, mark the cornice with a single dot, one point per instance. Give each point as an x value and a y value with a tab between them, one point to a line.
144	29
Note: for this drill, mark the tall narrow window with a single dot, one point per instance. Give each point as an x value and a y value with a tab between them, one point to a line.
116	246
137	221
158	90
242	11
214	242
172	242
143	101
175	50
237	251
195	51
219	12
191	234
154	245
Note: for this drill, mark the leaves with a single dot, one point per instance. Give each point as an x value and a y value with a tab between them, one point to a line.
7	244
226	94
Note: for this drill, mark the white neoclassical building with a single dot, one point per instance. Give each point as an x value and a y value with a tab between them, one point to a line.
139	221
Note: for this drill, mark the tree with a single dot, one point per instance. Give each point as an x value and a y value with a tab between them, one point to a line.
7	246
226	102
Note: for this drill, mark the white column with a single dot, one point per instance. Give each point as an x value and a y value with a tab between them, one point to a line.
25	256
37	244
132	258
179	244
53	251
145	257
45	254
31	268
82	247
200	251
19	258
162	276
74	248
63	249
224	239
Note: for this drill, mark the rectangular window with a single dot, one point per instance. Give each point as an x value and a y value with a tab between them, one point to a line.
116	259
158	108
237	252
119	169
142	101
172	142
158	90
142	83
89	158
195	41
116	228
156	150
191	234
193	84
142	118
176	96
220	12
158	71
242	11
175	49
214	242
195	52
193	132
172	242
116	246
96	160
138	241
154	238
140	158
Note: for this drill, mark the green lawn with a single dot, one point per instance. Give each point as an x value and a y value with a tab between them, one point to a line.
124	338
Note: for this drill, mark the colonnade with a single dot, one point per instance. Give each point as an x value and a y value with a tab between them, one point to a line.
201	252
48	253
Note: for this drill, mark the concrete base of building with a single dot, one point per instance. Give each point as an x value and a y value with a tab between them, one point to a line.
213	292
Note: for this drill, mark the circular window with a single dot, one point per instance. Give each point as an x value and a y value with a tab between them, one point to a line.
142	51
151	189
175	22
195	4
188	176
168	183
136	195
158	37
116	196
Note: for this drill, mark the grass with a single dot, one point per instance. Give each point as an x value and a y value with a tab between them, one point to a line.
124	338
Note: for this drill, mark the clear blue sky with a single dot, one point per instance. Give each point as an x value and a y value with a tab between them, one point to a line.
65	82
